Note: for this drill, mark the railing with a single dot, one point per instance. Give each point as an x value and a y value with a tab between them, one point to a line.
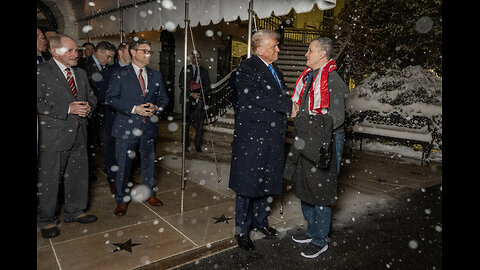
271	23
296	35
219	100
299	35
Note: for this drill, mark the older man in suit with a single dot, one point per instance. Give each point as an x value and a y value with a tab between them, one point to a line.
259	138
64	100
137	95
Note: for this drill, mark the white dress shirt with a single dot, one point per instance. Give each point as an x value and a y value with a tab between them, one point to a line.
62	68
145	78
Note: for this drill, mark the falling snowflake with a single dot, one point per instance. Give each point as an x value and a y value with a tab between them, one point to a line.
413	244
140	193
209	33
87	28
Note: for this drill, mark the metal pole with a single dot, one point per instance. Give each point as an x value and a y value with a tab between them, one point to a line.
121	20
250	11
187	23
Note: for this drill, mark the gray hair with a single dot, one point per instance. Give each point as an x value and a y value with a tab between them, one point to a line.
260	36
56	41
325	44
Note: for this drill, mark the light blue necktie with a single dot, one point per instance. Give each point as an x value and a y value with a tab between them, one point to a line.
274	75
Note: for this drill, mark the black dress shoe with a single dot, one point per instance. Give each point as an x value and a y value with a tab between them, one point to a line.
244	242
84	219
269	232
49	233
199	149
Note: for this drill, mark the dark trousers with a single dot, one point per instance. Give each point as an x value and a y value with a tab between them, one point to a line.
250	212
125	151
195	114
110	159
72	165
96	135
109	145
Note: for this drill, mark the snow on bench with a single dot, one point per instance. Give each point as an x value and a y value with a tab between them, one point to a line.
422	136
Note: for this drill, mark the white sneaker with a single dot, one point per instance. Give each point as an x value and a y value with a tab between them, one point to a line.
312	251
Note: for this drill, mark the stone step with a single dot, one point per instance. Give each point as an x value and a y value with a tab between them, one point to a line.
288	73
292	57
291	62
285	68
291	80
288	43
292	52
293	48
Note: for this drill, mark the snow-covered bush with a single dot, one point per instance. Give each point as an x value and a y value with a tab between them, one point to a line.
410	97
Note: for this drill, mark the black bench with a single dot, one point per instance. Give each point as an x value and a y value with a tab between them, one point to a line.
422	136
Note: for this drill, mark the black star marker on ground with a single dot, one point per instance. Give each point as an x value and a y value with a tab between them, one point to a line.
222	219
125	246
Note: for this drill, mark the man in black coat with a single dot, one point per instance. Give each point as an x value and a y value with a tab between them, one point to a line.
259	138
197	78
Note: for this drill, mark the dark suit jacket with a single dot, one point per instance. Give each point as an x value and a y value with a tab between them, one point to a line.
57	128
204	78
102	86
125	92
94	77
260	127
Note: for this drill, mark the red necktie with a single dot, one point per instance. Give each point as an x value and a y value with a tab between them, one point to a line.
142	85
142	82
71	82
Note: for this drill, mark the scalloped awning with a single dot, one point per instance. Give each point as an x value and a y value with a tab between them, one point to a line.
103	17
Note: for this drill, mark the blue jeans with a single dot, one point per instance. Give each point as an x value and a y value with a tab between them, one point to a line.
339	142
318	219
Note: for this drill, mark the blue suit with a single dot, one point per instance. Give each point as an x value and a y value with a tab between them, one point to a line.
128	128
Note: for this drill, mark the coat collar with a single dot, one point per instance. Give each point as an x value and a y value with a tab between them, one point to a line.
58	73
262	67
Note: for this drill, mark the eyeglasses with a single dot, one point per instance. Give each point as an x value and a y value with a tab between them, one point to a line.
145	51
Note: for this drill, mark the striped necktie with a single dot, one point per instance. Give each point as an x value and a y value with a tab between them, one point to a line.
71	82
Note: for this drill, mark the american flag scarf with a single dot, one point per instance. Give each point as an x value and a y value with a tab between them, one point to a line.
319	99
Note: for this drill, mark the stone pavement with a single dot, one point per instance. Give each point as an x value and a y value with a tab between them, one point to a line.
199	221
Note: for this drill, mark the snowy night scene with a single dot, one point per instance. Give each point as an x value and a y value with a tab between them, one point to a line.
239	134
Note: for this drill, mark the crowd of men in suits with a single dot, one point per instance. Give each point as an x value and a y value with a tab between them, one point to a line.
83	102
123	101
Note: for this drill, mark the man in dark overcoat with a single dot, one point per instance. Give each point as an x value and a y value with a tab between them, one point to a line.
259	137
312	160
